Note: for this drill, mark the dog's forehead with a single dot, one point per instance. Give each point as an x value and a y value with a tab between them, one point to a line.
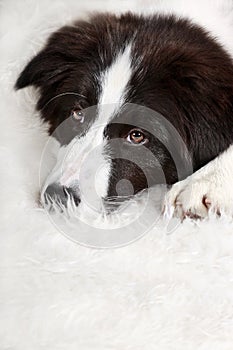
114	82
114	79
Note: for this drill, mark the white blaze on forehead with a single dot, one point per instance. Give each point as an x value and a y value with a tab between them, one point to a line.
88	153
114	82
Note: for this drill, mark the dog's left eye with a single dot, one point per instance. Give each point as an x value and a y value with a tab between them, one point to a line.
77	114
137	137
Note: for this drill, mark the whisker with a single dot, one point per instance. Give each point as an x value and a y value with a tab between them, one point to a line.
64	94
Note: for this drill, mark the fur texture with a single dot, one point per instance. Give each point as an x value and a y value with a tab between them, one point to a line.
162	63
170	291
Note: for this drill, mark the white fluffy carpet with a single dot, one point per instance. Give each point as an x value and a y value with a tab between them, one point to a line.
164	291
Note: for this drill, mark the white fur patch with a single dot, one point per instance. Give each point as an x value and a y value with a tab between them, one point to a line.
207	190
115	79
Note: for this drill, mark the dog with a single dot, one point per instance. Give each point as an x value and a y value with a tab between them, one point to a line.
136	101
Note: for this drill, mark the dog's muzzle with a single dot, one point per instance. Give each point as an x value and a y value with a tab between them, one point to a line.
60	195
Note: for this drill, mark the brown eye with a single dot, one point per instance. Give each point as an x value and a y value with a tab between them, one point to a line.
136	137
77	114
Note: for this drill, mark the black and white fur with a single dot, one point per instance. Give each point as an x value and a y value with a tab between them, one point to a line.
165	64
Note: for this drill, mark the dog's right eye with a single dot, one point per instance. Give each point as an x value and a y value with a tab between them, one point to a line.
77	114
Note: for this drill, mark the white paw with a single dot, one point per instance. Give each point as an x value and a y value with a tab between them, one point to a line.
207	191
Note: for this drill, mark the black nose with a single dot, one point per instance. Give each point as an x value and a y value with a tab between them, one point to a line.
60	194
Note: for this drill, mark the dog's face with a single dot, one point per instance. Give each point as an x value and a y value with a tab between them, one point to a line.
113	90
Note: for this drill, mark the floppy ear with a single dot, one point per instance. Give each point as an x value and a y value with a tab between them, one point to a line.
64	49
44	69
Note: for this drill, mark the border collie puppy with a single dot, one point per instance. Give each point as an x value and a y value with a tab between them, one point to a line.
132	98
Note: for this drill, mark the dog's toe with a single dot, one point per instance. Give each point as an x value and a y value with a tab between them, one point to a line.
196	197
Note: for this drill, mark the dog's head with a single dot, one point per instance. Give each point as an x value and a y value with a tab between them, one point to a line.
114	89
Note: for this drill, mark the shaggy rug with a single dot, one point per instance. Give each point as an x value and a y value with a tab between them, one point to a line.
170	289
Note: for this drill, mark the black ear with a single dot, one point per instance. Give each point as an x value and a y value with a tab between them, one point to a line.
44	69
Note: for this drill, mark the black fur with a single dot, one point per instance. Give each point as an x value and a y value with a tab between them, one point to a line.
179	70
